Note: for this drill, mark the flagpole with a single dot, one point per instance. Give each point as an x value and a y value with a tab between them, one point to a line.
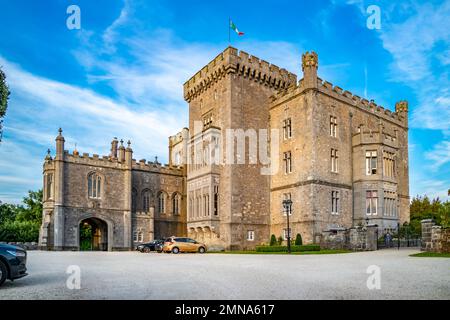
229	36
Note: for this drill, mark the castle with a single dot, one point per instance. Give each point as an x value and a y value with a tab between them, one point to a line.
256	138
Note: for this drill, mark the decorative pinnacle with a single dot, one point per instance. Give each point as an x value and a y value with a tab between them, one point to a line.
401	106
310	60
121	142
48	156
60	131
129	143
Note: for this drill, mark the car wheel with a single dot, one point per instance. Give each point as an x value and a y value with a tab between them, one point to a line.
201	250
147	250
175	250
3	273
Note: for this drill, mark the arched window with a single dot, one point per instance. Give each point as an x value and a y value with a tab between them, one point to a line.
176	204
162	202
134	200
94	186
146	200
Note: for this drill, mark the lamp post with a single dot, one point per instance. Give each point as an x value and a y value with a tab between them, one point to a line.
398	235
287	205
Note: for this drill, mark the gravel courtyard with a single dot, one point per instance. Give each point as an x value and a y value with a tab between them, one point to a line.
132	275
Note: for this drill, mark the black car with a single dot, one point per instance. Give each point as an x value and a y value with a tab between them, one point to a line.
12	262
155	245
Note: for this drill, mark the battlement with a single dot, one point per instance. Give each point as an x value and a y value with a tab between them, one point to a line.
346	96
241	63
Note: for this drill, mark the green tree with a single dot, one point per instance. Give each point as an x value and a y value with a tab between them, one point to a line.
298	240
4	96
21	223
280	240
273	240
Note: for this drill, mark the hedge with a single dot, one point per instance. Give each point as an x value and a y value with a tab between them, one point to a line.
310	247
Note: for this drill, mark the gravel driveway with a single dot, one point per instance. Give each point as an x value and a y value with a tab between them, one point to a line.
132	275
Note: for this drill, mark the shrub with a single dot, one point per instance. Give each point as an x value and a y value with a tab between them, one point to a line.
280	240
19	231
273	240
298	240
310	247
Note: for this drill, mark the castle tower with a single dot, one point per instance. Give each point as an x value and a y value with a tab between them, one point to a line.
228	106
127	214
114	145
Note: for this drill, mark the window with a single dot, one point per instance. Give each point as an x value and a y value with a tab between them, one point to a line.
141	237
371	162
94	186
388	164
287	129
390	204
286	196
334	160
138	236
49	186
250	235
216	200
176	204
162	203
334	202
146	201
286	233
287	162
207	120
333	126
371	202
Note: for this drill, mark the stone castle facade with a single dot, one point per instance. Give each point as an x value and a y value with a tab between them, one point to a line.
256	137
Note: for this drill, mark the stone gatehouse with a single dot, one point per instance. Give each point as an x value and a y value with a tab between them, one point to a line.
342	160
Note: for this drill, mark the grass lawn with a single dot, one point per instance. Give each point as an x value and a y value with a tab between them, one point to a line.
431	255
296	253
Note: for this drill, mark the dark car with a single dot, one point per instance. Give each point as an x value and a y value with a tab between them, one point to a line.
155	245
12	262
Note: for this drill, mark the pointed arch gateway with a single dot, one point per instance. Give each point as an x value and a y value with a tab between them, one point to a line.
95	234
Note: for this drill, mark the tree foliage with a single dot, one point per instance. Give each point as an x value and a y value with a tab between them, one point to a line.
298	240
4	96
423	208
20	223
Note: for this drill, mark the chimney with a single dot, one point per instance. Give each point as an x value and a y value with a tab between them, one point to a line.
114	145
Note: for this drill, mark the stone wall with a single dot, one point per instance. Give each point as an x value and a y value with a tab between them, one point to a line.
356	238
435	238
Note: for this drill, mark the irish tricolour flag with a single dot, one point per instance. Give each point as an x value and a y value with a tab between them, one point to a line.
233	26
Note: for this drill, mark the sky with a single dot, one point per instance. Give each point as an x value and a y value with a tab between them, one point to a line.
121	74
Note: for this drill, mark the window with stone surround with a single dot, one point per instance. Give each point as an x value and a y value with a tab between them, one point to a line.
390	204
287	162
371	162
216	200
333	126
207	120
162	202
371	202
287	129
334	202
334	161
388	164
49	186
250	235
146	200
94	186
176	203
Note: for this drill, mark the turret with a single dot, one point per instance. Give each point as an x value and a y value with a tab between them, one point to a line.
121	152
401	107
310	63
60	145
114	145
128	154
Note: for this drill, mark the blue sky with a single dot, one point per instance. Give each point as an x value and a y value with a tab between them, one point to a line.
121	74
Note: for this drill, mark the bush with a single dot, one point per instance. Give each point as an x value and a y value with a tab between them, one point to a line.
19	231
310	247
273	240
298	240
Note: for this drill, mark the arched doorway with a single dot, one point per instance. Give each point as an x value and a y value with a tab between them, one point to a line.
93	235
